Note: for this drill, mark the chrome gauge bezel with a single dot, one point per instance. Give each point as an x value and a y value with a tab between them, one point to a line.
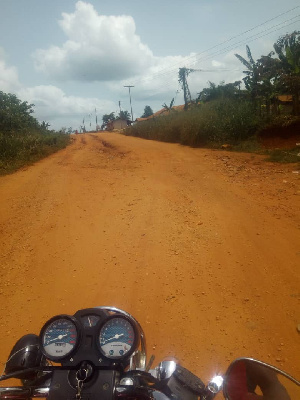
44	330
135	339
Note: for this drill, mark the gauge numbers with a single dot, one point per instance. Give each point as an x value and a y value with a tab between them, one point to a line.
116	338
59	338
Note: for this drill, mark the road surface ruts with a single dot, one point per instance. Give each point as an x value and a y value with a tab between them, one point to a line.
201	246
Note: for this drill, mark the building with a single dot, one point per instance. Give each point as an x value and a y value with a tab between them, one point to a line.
118	124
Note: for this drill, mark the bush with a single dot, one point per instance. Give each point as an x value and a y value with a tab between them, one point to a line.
23	139
17	150
217	121
284	156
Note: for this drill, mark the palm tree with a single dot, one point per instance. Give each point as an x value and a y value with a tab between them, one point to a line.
260	78
251	79
168	108
45	125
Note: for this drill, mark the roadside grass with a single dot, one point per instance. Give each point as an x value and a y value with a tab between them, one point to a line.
250	145
224	121
19	150
284	155
228	124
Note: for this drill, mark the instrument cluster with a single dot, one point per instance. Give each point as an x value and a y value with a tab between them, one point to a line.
95	334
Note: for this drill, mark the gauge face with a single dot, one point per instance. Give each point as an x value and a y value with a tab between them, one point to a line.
116	338
59	338
90	320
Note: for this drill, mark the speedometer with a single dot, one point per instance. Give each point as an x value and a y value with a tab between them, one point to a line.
117	338
59	337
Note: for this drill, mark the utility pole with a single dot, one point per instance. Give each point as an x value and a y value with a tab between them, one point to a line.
183	74
130	101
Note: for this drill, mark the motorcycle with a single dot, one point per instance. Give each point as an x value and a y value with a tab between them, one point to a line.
100	353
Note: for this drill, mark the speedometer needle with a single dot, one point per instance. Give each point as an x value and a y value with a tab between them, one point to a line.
114	337
58	337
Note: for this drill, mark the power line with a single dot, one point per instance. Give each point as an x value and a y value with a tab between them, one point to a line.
228	48
197	57
249	30
169	70
250	39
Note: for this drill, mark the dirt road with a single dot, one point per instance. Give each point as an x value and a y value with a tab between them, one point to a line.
201	246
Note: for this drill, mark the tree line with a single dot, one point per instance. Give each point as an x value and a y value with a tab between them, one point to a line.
236	114
275	74
16	116
23	139
107	118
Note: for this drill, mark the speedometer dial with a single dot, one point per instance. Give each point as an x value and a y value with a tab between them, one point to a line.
59	337
117	338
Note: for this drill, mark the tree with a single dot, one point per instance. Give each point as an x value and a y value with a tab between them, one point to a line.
228	90
260	79
268	73
268	77
107	118
287	49
124	115
147	112
15	115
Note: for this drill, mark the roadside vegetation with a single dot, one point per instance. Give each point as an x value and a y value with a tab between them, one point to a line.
235	118
23	140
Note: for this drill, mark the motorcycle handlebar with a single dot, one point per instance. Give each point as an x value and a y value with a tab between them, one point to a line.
21	393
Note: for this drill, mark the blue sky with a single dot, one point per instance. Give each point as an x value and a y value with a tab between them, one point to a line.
72	57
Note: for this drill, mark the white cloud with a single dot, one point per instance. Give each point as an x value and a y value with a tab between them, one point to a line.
98	47
54	106
217	64
9	80
107	48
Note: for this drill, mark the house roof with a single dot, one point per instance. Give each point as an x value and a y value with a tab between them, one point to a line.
285	98
161	113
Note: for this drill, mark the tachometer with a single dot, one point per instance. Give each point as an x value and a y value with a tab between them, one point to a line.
117	338
59	337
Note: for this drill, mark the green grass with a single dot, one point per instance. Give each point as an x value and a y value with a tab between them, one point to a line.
284	156
220	122
18	150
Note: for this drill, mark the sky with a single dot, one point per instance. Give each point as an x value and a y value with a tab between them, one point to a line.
72	59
